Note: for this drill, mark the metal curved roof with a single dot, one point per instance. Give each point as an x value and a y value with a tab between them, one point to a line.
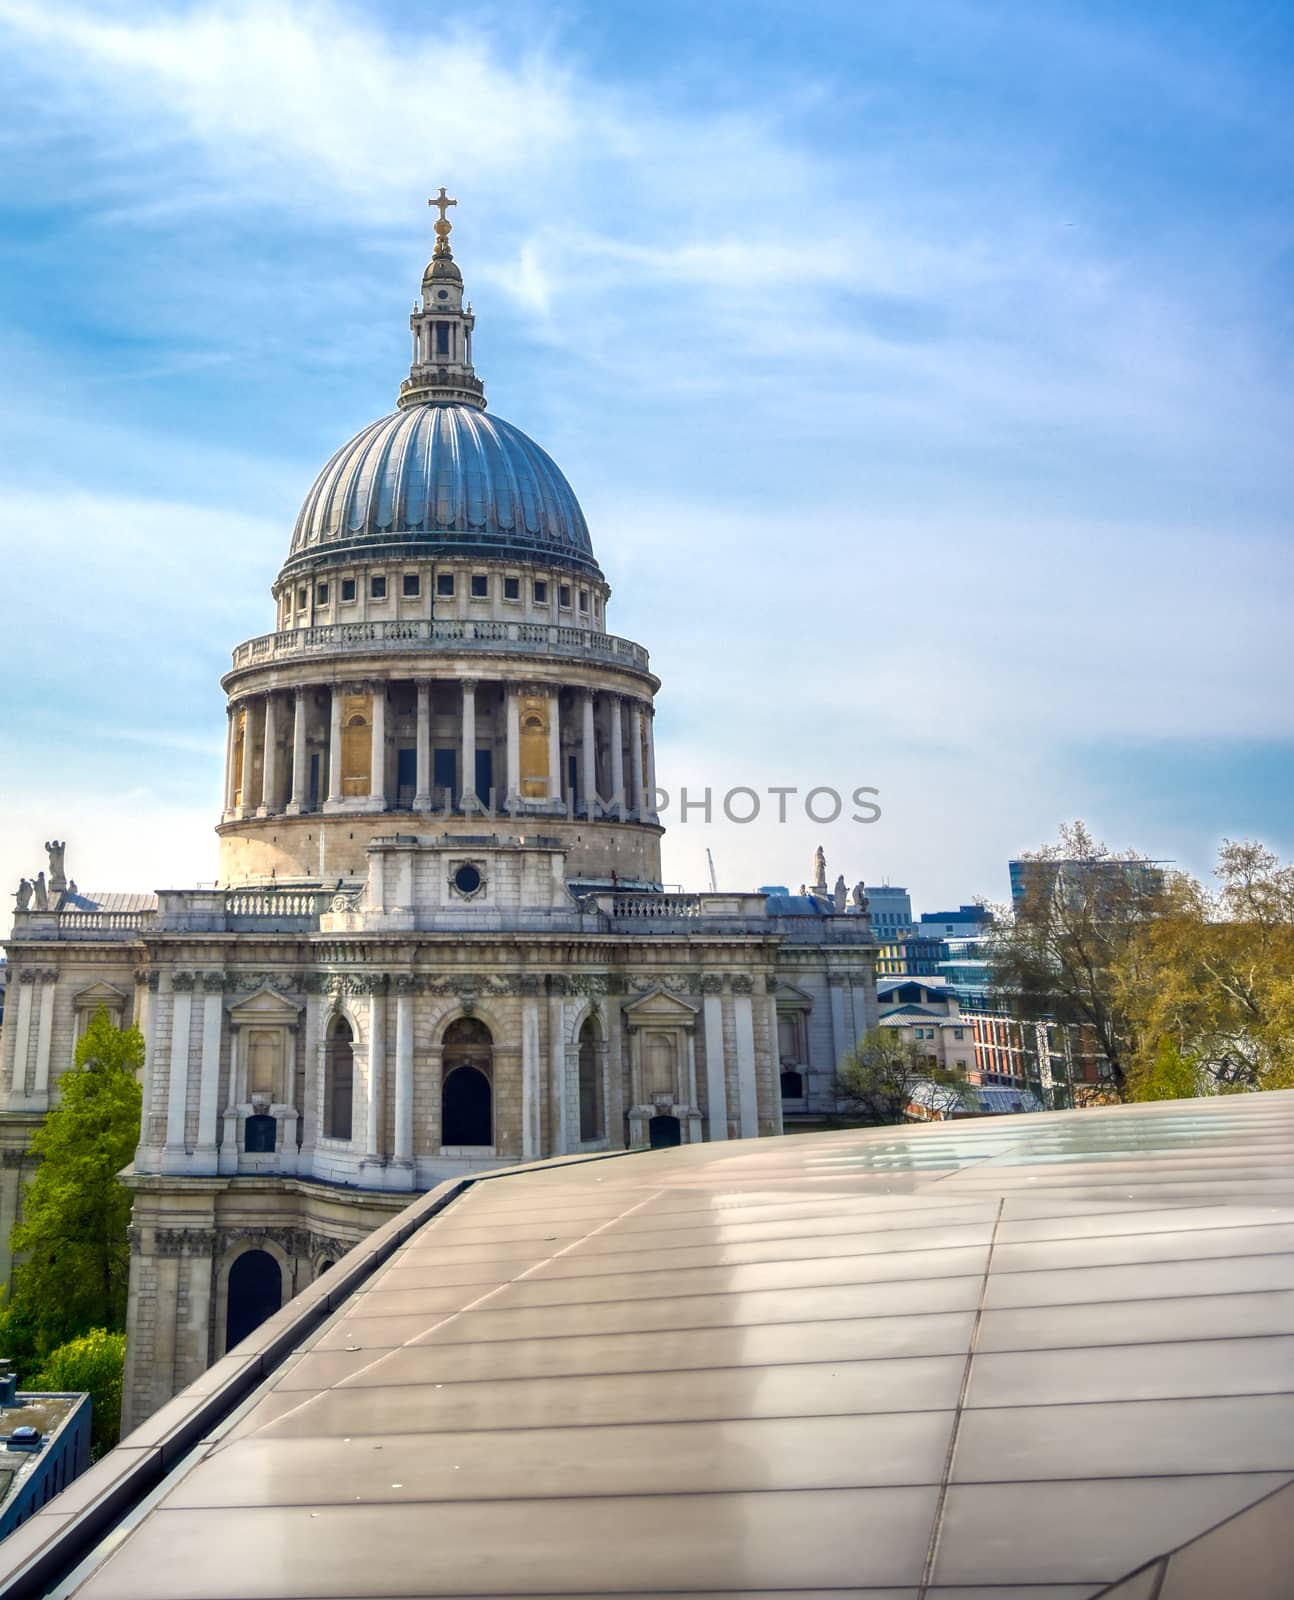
449	476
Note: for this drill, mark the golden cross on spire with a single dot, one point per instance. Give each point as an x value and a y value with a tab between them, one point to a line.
442	226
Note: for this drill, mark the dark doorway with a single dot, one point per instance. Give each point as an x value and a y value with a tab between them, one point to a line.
258	1136
484	775
255	1293
444	776
572	782
792	1086
590	1083
406	776
339	1080
662	1132
465	1108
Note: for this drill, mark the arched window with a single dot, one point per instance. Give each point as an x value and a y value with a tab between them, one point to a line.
792	1086
591	1125
255	1293
258	1135
339	1080
466	1101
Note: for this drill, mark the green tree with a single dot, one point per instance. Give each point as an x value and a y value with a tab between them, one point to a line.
877	1079
1170	1075
1059	951
72	1240
95	1363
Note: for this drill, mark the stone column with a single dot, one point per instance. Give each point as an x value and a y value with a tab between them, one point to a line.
231	777
554	744
467	777
530	1078
775	1058
213	1007
270	759
44	1035
376	1055
146	1139
377	755
245	807
589	758
422	799
617	758
744	1031
334	747
404	1074
514	745
636	757
300	757
840	1042
650	718
556	1076
22	1039
716	1084
178	1085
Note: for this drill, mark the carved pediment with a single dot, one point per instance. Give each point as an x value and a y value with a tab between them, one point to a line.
786	994
659	1006
264	1005
100	994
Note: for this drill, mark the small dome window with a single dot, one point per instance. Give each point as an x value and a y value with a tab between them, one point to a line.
467	879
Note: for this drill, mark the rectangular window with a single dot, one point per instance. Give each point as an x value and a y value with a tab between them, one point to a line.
445	584
564	596
584	600
347	589
512	588
411	585
321	594
442	338
541	591
959	1034
480	586
303	599
377	586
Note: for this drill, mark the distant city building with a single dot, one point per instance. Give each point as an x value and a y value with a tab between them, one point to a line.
927	1016
1032	880
44	1444
891	911
909	957
967	922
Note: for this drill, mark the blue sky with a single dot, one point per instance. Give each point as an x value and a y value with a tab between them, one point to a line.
923	370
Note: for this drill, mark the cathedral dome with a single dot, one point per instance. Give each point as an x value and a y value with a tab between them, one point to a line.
443	478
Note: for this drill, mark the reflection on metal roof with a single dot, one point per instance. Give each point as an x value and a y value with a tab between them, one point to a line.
910	1363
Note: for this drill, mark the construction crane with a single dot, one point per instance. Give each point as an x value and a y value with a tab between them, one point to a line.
709	861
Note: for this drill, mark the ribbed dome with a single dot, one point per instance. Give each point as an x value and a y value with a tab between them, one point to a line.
449	476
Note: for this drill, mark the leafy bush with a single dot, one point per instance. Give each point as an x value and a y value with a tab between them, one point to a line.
94	1362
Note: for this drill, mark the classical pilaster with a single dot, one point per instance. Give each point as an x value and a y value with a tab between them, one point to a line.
376	1063
422	799
404	1074
300	757
209	1082
44	1036
245	807
22	1041
743	1017
716	1083
178	1083
377	756
334	746
270	759
774	1056
589	759
557	1132
467	776
530	1078
840	1040
617	757
650	726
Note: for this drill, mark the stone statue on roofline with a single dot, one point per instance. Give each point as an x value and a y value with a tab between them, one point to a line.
57	877
24	894
819	871
860	896
41	901
839	894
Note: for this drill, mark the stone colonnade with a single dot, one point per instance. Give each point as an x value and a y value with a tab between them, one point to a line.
599	748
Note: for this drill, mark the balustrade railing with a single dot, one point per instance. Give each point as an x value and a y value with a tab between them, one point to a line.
103	921
646	906
524	637
275	903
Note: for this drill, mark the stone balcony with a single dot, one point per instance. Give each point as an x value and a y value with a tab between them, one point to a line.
534	639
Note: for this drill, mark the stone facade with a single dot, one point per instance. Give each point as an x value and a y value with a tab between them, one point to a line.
400	978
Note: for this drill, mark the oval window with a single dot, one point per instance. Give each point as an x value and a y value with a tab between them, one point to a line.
467	878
